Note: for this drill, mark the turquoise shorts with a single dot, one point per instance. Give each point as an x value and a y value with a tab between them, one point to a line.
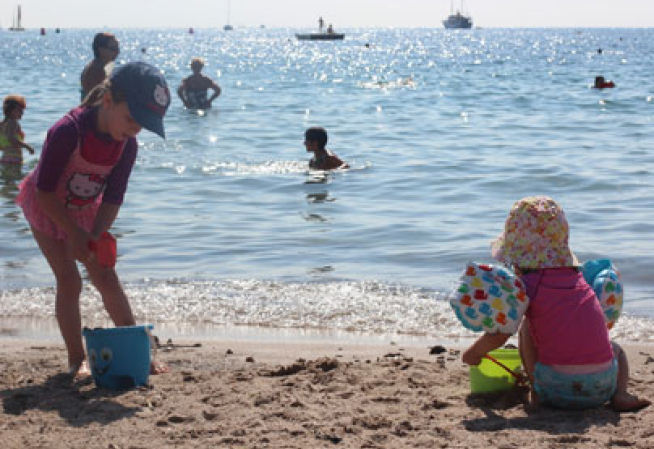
574	390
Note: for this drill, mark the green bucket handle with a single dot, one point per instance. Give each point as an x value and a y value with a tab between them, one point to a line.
520	380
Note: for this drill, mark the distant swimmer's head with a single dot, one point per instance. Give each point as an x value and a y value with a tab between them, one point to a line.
316	135
13	104
599	81
197	64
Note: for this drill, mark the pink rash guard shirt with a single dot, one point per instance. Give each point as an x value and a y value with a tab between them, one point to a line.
96	147
565	319
83	167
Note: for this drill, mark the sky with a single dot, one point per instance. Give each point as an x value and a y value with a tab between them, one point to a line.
113	14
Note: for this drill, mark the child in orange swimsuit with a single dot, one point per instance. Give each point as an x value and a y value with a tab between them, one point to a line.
11	135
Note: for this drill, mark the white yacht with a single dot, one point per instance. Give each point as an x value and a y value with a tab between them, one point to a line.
457	20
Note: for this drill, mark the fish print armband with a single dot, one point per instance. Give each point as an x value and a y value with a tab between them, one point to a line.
605	280
490	299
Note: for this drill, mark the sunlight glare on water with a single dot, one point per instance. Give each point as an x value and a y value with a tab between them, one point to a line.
223	222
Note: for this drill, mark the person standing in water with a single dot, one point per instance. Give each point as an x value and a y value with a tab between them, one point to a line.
194	89
105	51
11	135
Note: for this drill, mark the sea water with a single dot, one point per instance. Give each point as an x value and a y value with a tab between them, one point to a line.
224	227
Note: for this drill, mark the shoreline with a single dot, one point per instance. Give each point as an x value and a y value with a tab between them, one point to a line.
271	394
46	329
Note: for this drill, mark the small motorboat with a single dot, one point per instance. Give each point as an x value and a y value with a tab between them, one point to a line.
320	37
328	35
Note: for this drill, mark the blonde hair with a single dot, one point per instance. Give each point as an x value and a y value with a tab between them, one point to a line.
94	97
11	101
197	61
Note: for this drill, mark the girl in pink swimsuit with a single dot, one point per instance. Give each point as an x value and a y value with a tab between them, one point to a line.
74	194
563	341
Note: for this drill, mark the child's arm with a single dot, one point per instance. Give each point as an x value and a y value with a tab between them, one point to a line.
216	90
28	147
484	344
105	217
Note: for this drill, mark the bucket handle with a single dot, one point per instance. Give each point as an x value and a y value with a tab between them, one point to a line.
153	345
519	378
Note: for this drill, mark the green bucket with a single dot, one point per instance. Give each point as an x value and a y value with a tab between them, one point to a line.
488	376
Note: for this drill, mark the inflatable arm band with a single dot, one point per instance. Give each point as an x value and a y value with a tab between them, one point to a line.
493	299
604	278
490	299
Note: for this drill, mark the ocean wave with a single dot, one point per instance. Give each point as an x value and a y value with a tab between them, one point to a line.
370	307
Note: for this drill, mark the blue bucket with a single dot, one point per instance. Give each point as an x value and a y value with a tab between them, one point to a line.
119	357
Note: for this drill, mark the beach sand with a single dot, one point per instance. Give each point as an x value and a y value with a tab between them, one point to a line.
296	395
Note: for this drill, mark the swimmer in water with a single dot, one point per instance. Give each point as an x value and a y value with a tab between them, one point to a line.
315	140
601	83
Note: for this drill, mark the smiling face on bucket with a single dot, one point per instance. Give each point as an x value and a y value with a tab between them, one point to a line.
116	120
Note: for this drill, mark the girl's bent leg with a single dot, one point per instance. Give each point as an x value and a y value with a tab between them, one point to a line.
116	302
69	288
622	400
113	296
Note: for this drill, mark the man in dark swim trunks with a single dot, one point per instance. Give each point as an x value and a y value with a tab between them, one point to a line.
193	90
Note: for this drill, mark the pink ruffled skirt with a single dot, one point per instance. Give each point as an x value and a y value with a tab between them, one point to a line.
39	220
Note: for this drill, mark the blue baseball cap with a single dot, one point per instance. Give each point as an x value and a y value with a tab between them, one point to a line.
147	94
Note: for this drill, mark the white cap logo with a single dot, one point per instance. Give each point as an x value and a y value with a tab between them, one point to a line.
161	95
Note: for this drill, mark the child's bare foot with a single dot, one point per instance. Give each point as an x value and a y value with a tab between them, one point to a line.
159	368
80	369
626	402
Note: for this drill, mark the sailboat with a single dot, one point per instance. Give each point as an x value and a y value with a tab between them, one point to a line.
227	26
458	20
16	23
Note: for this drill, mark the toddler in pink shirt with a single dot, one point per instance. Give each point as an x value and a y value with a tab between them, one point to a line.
563	340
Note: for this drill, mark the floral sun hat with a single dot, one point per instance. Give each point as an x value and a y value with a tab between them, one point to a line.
535	236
